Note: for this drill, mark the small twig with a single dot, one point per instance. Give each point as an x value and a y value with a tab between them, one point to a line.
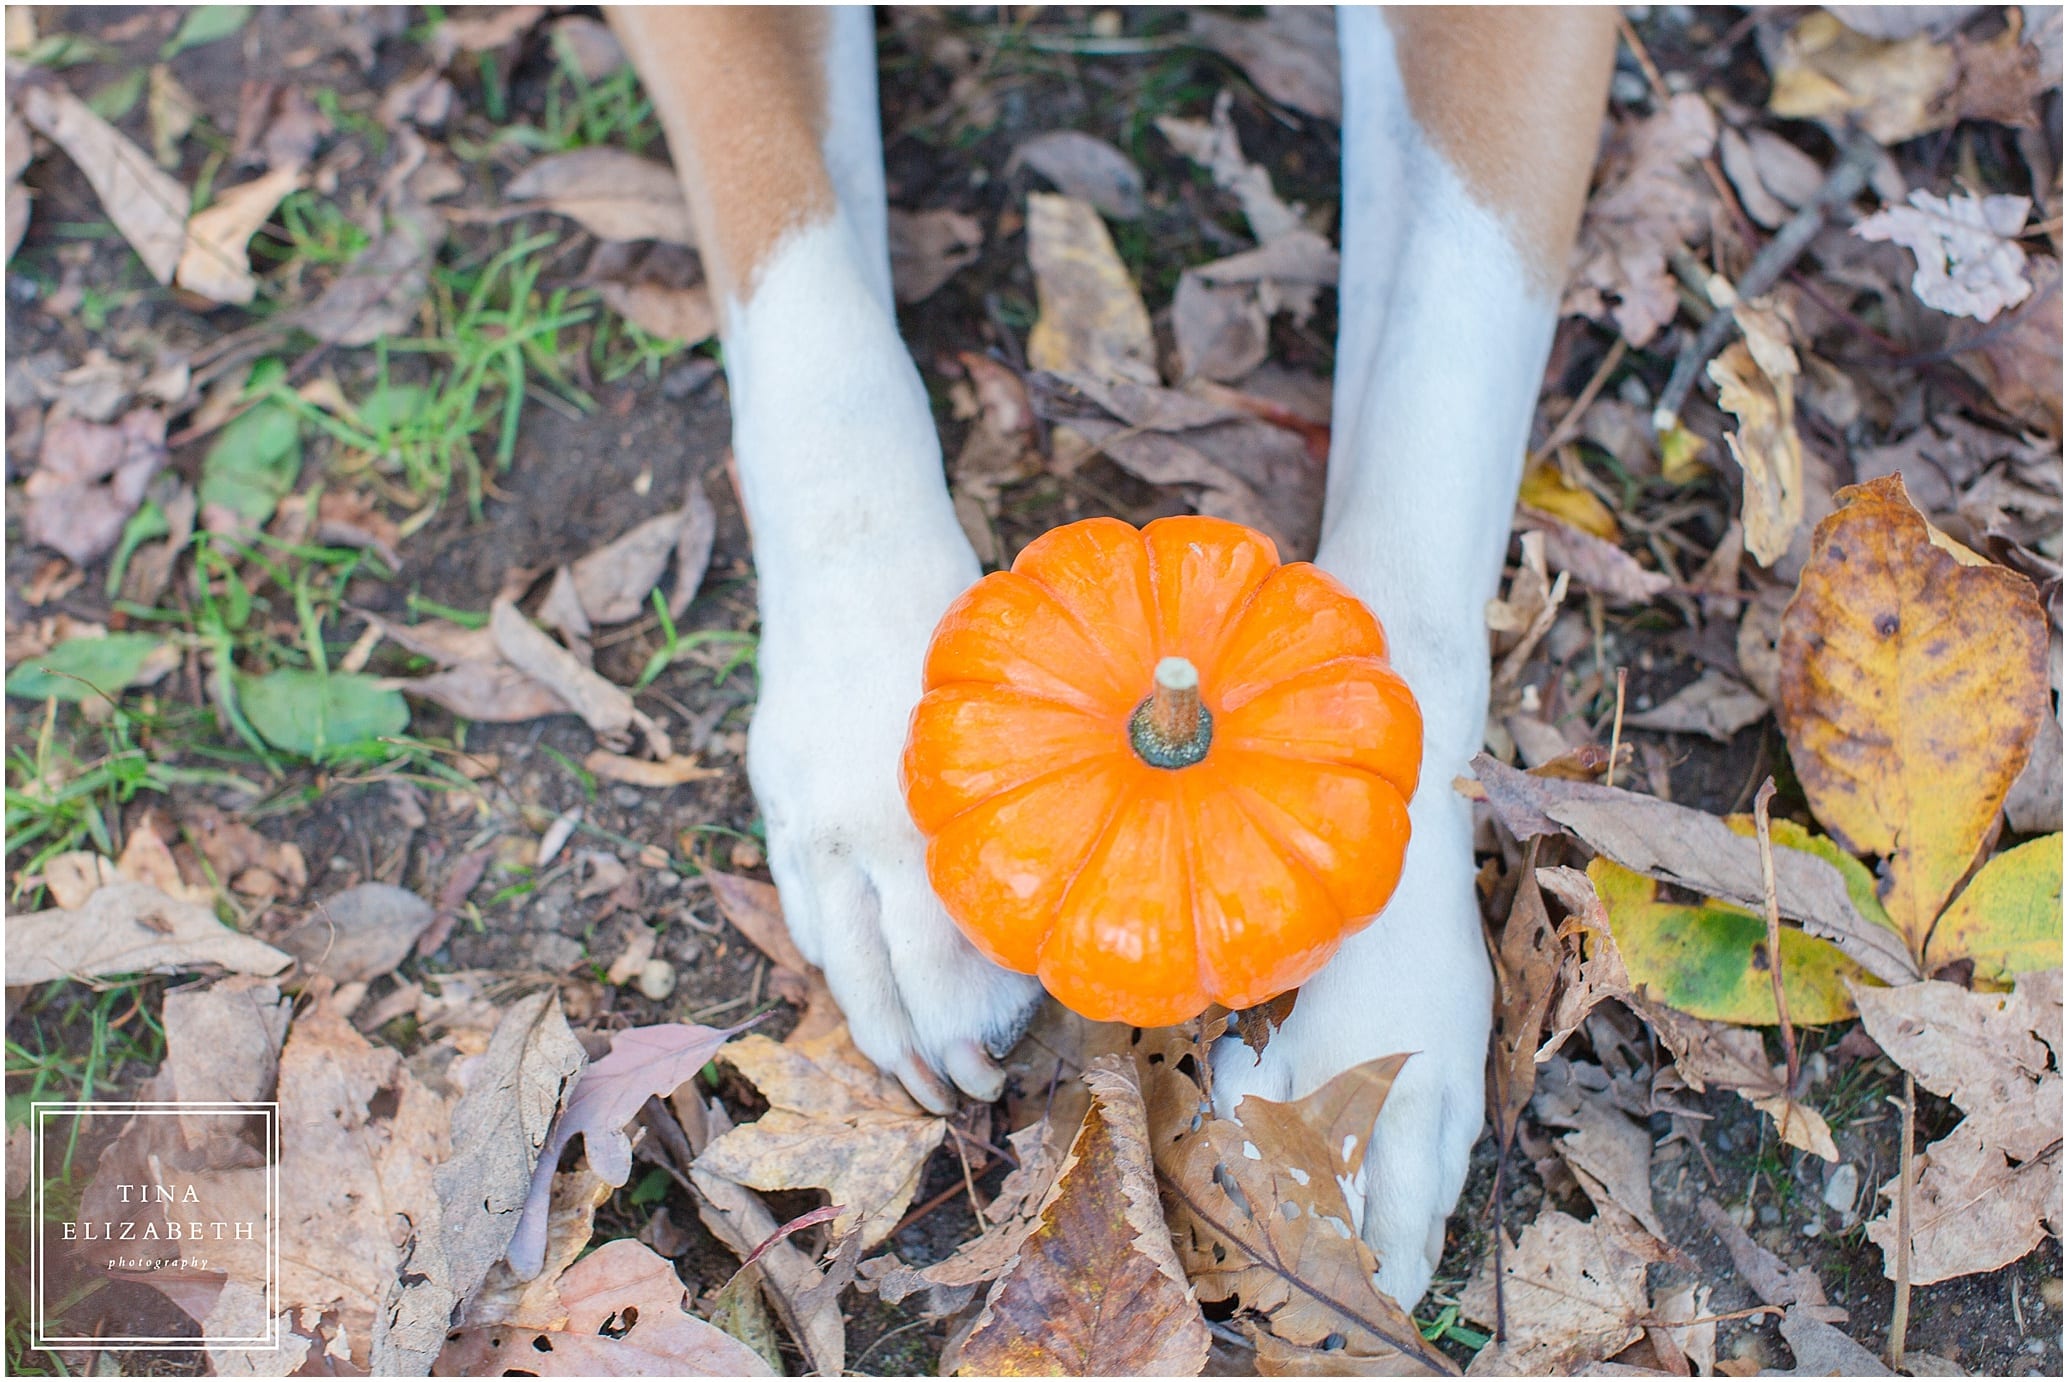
1761	822
1615	734
1570	423
1787	246
1899	1317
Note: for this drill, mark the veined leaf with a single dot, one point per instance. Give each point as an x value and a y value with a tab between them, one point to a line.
80	668
319	716
1859	879
2008	920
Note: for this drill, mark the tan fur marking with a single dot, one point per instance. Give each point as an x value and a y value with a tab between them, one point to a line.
1513	98
741	94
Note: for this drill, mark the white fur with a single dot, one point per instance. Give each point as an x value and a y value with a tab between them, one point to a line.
858	552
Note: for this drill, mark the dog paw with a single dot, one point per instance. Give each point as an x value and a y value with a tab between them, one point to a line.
1415	980
843	642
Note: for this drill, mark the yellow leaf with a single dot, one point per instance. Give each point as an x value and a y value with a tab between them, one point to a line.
2008	920
1756	380
1092	320
1825	71
1709	960
1680	455
1545	487
1909	693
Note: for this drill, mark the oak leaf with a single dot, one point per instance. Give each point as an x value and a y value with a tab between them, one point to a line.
1575	1294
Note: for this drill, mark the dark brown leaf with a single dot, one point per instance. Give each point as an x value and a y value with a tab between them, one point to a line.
89	479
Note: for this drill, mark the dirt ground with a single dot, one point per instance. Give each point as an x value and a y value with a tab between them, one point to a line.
580	476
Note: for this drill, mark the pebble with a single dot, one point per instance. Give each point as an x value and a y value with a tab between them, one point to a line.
1813	1228
627	797
2050	1292
1842	1187
657	979
1769	1215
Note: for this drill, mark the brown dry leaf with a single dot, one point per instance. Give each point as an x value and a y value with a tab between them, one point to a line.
351	518
627	1316
835	1123
2020	360
1527	962
927	248
1095	1289
641	772
1086	167
673	314
76	875
490	692
233	849
1756	382
1215	146
1824	70
499	1125
1911	686
1771	1279
1649	202
1221	332
1092	320
606	708
129	928
1609	1152
644	1062
222	1043
360	933
1713	704
1991	1186
1822	1351
89	478
481	30
612	194
378	293
1693	850
1575	1295
612	582
217	262
1969	263
1602	567
146	204
1259	1210
1014	1213
1290	54
590	46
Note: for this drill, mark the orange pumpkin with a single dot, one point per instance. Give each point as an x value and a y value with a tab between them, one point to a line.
1158	769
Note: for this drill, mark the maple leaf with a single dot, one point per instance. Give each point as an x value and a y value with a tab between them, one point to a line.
1095	1289
835	1123
1575	1294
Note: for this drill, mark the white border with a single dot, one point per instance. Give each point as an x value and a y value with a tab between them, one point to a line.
41	1110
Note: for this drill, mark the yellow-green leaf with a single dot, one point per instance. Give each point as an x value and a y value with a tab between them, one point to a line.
1709	961
1546	488
1859	879
1910	689
2008	920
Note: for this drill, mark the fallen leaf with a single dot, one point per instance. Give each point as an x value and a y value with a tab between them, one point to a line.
1260	1211
129	928
481	30
89	479
1574	1295
318	715
2008	918
1713	704
657	286
217	262
1221	332
1969	263
836	1123
1756	382
644	1062
360	933
490	692
222	1044
586	45
1085	167
612	582
1991	1188
1096	1289
1609	1152
1092	321
627	1316
1526	963
1290	54
1822	1351
927	248
146	204
612	194
1697	851
1601	566
1910	689
1823	70
642	772
605	707
1772	1280
1546	487
1710	961
1013	1214
1649	202
499	1126
378	293
1214	145
86	669
252	465
2019	360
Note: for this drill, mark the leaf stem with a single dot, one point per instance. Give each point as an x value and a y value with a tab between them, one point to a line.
1899	1317
1773	939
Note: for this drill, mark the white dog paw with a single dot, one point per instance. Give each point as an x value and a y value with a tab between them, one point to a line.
1416	980
840	661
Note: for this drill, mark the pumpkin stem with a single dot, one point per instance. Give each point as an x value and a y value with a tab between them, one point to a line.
1171	729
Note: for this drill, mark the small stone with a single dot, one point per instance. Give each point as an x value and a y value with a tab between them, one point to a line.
1842	1187
2050	1292
657	979
556	953
1813	1228
1769	1215
746	854
627	797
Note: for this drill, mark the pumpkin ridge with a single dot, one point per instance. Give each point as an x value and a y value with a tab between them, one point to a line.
1076	620
1243	795
1126	798
1211	665
1342	660
1243	745
1039	779
1209	979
